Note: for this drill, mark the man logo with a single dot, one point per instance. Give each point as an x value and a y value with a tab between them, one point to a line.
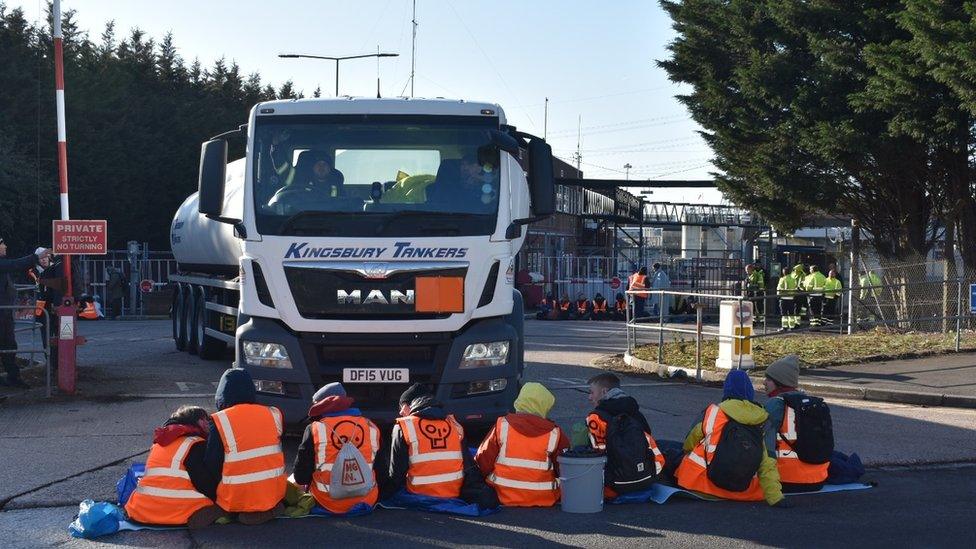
376	270
355	297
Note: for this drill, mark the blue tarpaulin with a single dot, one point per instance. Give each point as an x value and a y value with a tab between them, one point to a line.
660	493
450	506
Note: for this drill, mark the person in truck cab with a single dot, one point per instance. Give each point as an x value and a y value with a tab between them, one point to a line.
314	179
428	456
466	184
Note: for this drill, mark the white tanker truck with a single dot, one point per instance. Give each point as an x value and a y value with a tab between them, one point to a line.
368	241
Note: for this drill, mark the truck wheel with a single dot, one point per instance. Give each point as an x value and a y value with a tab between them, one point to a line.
208	348
179	316
194	320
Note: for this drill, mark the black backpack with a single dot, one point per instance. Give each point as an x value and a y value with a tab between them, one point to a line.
814	428
737	457
630	463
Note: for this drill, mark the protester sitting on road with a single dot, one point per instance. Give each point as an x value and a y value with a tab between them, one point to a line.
518	457
724	453
582	308
799	432
86	308
174	487
244	451
620	307
617	426
8	296
428	456
548	309
336	423
565	307
600	309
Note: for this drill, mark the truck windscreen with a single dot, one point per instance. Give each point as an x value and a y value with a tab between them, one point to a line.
356	175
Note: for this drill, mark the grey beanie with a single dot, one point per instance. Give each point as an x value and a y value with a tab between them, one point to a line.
785	371
332	389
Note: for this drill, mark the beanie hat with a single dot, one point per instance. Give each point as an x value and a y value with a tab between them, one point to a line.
332	389
738	386
785	371
413	392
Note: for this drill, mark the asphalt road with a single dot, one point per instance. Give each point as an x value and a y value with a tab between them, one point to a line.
59	452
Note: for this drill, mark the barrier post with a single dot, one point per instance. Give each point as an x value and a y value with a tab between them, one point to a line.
67	328
958	313
660	331
698	339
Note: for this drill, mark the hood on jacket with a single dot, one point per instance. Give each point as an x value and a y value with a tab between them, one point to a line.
530	424
427	407
330	405
172	431
235	387
534	399
744	411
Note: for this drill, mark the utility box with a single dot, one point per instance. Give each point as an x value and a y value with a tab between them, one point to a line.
735	319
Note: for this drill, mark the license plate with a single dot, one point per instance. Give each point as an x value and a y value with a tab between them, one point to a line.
375	375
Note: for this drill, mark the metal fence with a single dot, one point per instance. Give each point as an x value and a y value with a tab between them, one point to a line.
898	306
155	267
39	330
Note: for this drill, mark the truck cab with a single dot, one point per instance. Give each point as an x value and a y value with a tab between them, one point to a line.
377	242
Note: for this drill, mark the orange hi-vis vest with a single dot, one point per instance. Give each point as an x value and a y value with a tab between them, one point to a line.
329	434
524	475
791	469
638	281
165	494
599	306
89	313
582	306
692	471
564	305
253	478
621	305
436	463
597	425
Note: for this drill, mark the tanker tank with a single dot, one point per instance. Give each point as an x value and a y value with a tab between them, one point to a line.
206	246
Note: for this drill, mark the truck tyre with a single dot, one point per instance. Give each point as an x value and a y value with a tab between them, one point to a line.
194	320
208	348
179	317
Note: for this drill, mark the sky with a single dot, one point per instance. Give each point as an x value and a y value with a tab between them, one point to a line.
595	61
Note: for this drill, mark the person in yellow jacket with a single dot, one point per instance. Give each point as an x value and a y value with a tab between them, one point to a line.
801	300
701	443
786	290
814	284
832	297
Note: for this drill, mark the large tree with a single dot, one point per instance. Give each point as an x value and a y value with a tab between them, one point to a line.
779	87
136	115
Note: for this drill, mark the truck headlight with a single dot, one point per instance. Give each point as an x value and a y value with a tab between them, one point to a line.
266	355
481	355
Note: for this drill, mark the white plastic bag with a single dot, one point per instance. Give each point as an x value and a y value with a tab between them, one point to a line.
351	474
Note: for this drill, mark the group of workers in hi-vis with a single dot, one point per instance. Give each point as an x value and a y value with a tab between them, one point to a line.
229	464
809	292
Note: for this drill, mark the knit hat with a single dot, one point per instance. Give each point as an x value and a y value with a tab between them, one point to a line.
413	392
739	386
785	371
332	389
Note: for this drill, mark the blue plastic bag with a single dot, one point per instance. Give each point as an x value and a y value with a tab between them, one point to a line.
127	484
449	506
95	519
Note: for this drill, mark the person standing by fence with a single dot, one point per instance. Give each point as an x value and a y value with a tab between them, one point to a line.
832	291
660	303
8	296
115	288
786	290
635	283
814	283
756	289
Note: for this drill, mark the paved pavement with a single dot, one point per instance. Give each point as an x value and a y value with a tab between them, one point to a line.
953	374
59	452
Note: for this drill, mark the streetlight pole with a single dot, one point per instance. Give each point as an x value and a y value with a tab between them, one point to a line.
336	59
627	167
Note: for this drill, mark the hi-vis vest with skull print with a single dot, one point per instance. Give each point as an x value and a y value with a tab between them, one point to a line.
253	477
436	464
329	434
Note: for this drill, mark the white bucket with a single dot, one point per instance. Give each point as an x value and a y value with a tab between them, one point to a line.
581	483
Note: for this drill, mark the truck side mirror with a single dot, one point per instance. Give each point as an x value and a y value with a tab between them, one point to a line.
505	142
542	186
213	173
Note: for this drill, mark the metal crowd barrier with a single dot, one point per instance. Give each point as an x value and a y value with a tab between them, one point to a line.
33	326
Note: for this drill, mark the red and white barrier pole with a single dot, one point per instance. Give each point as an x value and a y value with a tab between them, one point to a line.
67	312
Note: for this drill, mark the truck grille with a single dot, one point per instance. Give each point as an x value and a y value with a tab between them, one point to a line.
316	292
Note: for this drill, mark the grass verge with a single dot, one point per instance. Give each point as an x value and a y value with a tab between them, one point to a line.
816	350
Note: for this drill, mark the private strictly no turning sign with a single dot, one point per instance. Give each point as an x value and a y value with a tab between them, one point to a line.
80	236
